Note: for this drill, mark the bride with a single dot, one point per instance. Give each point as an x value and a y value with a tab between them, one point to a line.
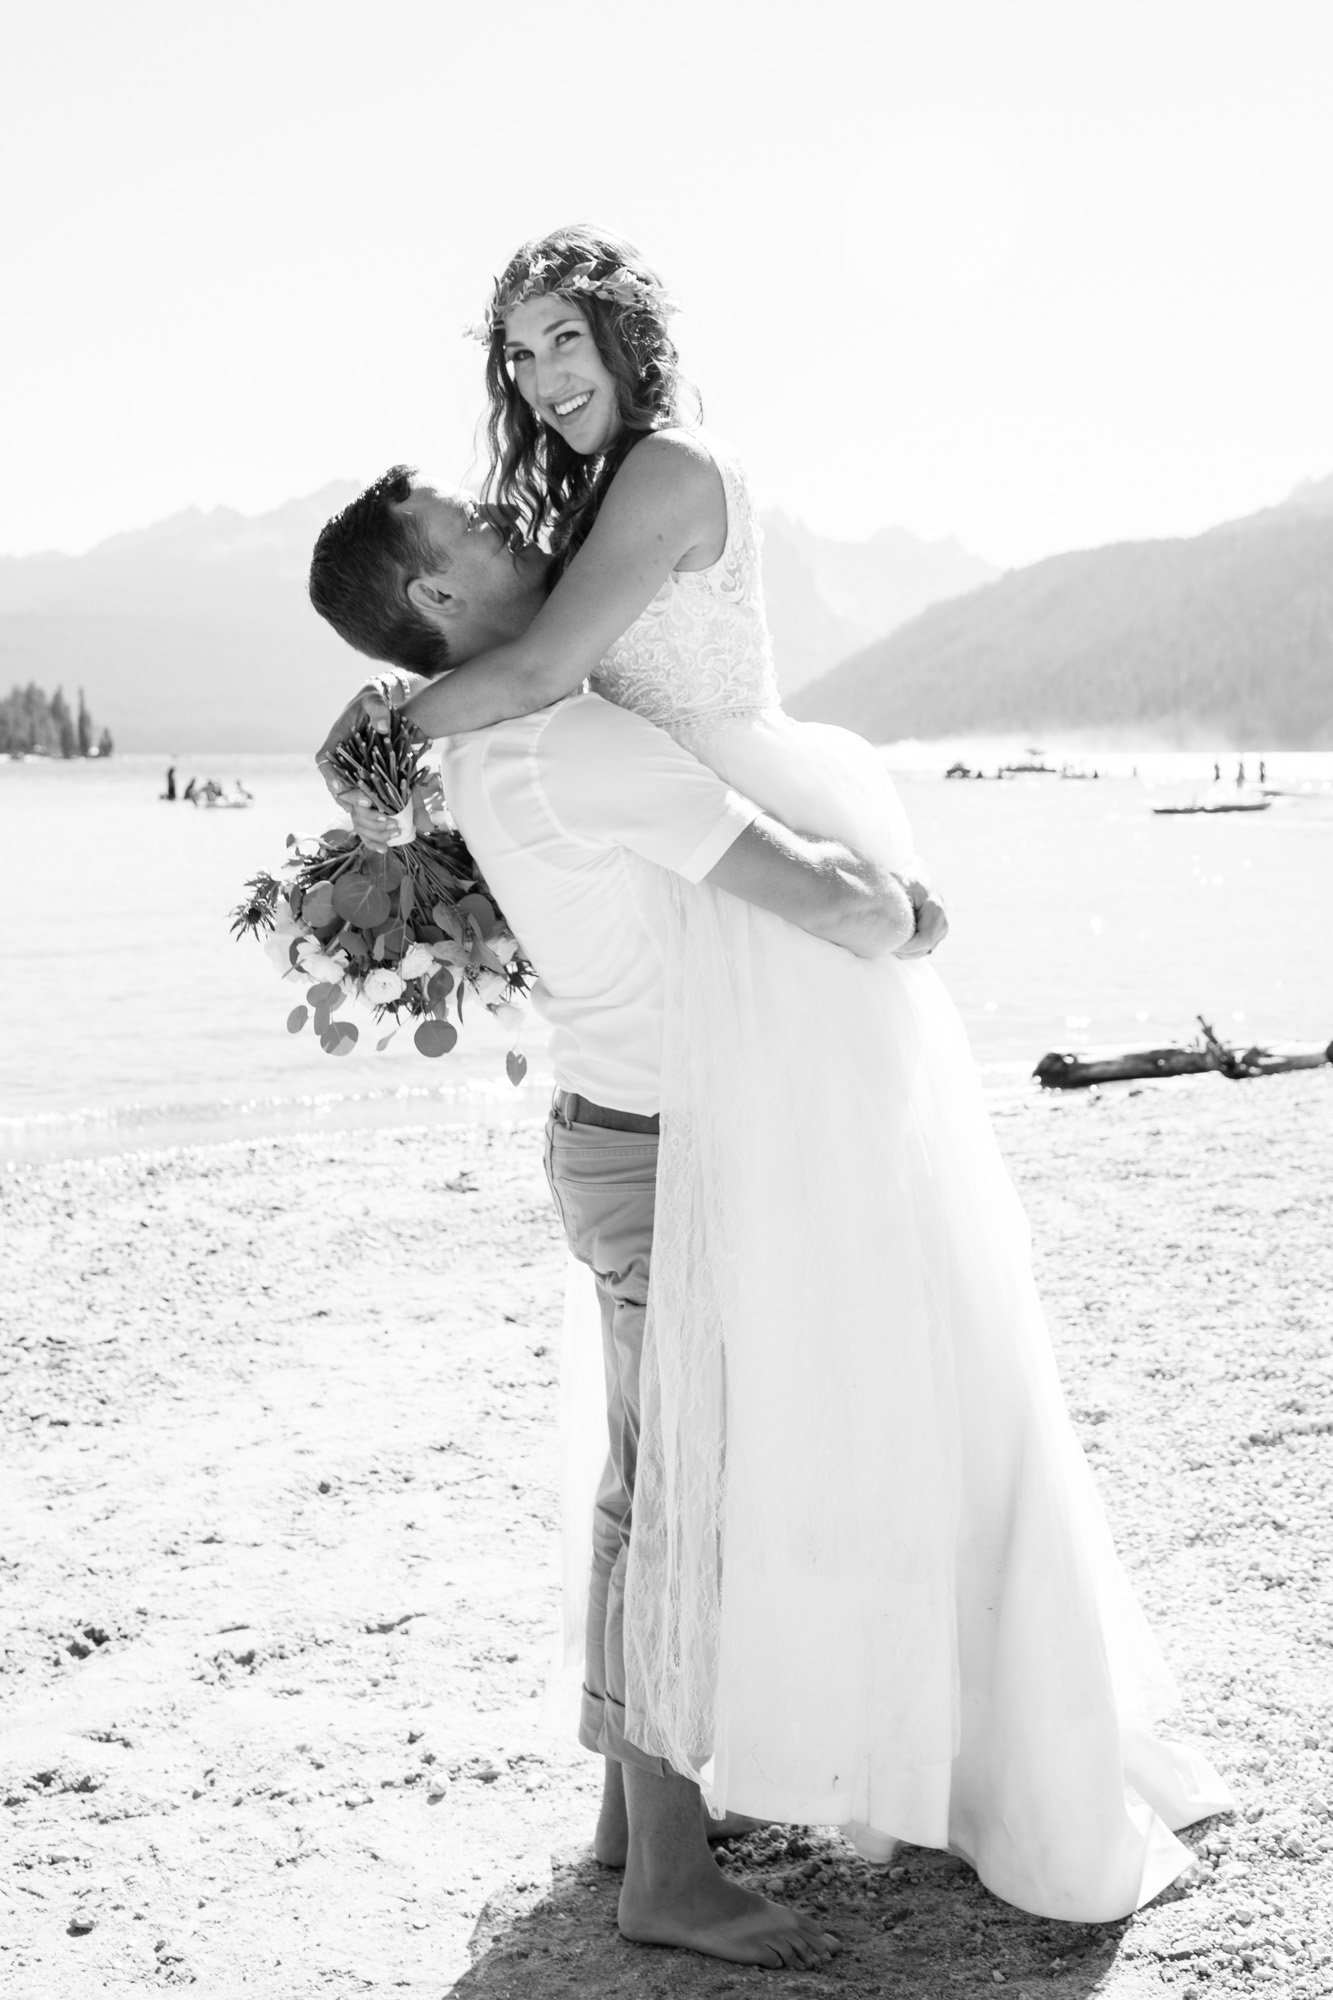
870	1581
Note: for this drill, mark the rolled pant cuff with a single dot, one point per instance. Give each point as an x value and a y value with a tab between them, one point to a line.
602	1729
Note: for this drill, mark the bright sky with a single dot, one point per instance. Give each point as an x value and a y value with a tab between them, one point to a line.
1038	273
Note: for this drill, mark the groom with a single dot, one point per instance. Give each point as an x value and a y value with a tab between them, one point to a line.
575	815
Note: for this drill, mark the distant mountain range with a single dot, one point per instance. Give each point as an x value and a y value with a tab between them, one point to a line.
193	635
827	599
1224	638
196	634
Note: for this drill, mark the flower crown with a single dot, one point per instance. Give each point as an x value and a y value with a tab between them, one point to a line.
619	286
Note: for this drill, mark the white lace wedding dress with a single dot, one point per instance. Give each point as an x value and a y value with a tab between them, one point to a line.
870	1581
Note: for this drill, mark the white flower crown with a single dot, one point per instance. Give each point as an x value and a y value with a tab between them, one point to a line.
618	287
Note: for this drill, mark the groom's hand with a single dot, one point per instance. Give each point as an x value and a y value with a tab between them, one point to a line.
932	921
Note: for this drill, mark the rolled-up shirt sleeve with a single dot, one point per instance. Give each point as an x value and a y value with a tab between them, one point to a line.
612	779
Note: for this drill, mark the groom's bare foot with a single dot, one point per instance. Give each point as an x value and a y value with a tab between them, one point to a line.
674	1893
707	1912
610	1843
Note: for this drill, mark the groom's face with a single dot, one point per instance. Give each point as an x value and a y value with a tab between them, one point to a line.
477	592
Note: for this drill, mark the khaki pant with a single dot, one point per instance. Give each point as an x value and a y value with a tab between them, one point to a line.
602	1166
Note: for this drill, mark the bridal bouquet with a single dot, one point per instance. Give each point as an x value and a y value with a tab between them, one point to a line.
406	932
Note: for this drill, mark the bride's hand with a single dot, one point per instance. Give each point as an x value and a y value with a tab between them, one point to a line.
932	920
372	704
378	829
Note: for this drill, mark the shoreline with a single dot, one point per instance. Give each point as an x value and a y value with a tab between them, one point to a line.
48	1137
284	1570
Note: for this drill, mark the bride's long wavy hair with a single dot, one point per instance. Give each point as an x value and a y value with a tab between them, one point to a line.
556	492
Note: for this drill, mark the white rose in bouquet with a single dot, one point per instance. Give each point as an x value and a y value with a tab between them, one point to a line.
490	985
325	965
510	1016
382	985
417	962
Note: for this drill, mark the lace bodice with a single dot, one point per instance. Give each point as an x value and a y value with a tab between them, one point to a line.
700	653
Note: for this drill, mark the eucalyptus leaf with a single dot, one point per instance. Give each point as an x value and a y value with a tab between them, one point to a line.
340	1038
482	909
435	1038
360	901
317	905
297	1019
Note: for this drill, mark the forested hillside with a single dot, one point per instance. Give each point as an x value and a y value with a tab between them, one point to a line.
1228	636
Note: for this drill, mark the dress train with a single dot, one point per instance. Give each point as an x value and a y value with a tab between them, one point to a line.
870	1580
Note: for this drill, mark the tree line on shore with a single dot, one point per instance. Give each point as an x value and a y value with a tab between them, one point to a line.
33	724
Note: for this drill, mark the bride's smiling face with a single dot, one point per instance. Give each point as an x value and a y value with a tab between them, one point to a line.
557	369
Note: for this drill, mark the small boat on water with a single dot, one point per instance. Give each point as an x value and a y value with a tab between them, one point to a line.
1033	765
1222	806
210	794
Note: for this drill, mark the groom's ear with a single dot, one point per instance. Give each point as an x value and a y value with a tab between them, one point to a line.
430	596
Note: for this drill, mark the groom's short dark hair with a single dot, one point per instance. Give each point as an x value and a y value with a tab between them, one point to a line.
363	561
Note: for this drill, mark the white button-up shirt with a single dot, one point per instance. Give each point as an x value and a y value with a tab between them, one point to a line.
572	814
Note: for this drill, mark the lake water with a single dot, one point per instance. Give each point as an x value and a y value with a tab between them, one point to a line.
130	1017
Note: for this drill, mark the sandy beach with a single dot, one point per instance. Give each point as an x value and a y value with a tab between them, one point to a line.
280	1568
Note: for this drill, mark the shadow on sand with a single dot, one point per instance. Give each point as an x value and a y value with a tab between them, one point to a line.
923	1927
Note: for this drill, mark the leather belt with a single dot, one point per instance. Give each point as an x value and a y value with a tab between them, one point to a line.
576	1110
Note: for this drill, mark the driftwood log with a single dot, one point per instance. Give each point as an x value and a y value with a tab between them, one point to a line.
1068	1072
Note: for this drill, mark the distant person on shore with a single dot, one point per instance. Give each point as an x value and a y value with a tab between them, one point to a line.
1217	772
851	1567
242	793
191	791
1240	774
170	792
